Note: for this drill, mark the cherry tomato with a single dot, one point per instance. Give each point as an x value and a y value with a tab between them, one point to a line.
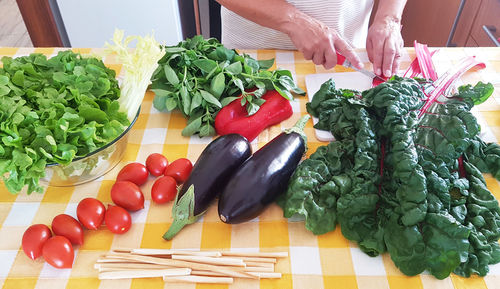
33	239
67	226
90	213
58	252
179	170
133	172
164	189
117	219
156	164
127	195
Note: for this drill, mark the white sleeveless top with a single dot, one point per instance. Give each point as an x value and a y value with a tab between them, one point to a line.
348	17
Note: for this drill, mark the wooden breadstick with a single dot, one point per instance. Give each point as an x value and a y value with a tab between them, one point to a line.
271	275
122	250
256	254
259	269
258	264
114	260
230	271
258	259
144	273
207	273
153	252
211	260
198	279
129	266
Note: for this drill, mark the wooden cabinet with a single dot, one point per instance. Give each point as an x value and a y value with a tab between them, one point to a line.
488	18
432	22
428	21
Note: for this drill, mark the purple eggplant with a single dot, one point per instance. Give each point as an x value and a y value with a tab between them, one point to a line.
215	166
261	178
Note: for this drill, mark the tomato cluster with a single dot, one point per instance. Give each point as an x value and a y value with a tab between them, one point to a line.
58	251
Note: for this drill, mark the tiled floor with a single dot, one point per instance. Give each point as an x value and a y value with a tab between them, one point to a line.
13	32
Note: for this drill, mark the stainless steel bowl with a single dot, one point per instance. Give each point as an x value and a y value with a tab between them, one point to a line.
90	167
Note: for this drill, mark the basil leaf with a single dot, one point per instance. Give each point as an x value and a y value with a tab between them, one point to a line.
186	100
171	75
192	127
174	49
234	68
252	63
196	101
207	130
159	102
208	97
170	104
228	100
259	101
266	64
283	91
239	84
206	65
252	108
218	85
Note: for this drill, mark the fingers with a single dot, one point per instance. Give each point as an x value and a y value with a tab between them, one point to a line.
389	54
319	57
330	58
369	49
345	49
395	63
377	56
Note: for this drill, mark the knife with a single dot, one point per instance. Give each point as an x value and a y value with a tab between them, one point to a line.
341	60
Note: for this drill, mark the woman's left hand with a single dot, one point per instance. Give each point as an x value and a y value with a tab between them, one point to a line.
384	44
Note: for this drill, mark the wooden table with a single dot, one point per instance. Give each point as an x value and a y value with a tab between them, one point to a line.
326	261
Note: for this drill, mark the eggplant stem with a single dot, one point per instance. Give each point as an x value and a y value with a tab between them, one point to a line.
299	127
176	226
183	213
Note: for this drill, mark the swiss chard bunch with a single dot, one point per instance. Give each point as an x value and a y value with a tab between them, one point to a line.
199	76
403	179
52	111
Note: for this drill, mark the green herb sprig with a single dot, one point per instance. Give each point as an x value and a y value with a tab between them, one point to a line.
200	76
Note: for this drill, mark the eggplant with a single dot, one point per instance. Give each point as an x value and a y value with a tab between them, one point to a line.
265	175
211	172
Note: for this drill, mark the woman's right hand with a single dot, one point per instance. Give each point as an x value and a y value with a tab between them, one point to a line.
319	43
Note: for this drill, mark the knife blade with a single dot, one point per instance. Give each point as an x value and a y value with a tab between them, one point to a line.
341	60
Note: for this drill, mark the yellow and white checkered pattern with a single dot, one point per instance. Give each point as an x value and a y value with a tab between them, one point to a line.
326	261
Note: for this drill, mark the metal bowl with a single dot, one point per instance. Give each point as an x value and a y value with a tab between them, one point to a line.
90	167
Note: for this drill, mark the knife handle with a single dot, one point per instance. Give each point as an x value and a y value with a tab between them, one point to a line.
340	59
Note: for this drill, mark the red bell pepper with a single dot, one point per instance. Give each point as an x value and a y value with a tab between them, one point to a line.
233	118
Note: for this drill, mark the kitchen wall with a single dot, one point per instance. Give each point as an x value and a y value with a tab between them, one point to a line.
91	23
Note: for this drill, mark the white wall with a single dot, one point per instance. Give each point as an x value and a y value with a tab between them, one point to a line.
90	23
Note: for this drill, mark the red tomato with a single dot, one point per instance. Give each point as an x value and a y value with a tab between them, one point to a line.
117	219
33	239
133	172
127	195
67	226
164	190
90	213
179	170
58	252
156	164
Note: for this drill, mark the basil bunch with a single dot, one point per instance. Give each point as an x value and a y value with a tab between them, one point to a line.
200	76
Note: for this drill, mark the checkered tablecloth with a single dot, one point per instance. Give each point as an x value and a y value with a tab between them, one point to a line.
326	261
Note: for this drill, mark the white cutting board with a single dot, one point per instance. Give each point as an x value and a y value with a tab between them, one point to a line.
348	80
